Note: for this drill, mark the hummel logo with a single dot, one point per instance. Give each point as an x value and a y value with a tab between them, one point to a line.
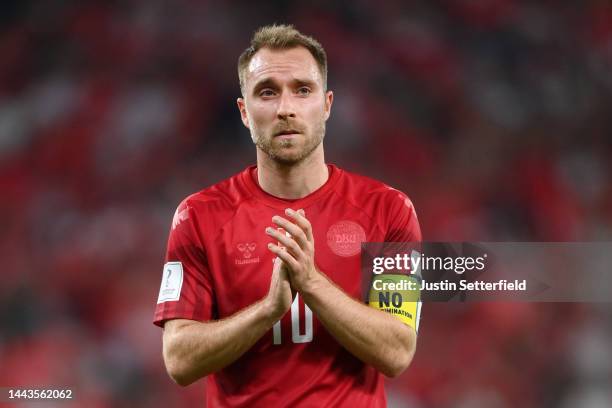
180	216
247	249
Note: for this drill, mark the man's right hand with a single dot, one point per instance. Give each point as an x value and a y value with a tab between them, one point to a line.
280	295
194	349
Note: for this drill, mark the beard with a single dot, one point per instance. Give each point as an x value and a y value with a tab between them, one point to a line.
290	151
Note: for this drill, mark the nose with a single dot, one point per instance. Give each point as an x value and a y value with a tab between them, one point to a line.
286	108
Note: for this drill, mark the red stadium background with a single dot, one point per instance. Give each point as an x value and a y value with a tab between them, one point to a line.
492	115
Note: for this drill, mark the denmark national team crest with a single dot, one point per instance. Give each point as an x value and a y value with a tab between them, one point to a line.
344	238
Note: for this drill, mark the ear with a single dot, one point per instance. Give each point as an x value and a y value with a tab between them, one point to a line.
329	99
243	114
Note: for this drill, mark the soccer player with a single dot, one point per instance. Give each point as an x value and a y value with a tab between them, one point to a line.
262	289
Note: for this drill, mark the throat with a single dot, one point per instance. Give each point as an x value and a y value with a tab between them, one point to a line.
291	182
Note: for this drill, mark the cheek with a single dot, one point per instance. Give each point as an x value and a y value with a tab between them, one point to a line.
316	111
260	115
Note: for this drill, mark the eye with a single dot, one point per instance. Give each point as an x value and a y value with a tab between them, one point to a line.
266	92
304	90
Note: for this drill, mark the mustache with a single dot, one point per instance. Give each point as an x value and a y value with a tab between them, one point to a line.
287	127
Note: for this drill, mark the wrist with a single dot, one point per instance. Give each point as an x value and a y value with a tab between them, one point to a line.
313	284
268	312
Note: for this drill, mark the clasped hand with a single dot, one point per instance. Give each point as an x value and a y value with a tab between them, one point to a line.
297	250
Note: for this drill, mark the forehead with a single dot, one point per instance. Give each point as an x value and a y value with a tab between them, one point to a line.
294	63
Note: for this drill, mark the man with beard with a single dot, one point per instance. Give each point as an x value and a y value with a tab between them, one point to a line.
262	289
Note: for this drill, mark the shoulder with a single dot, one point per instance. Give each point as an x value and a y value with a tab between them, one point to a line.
217	199
361	189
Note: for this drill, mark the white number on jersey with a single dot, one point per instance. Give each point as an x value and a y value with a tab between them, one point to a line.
296	336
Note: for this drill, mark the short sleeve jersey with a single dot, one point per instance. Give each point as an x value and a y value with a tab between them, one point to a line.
217	263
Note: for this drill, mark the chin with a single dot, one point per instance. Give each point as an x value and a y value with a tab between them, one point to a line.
286	158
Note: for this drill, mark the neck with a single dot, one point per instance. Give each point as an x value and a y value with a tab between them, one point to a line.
292	181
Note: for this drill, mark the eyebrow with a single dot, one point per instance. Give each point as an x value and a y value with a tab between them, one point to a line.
269	82
264	83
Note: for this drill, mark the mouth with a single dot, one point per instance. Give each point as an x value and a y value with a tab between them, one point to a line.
287	132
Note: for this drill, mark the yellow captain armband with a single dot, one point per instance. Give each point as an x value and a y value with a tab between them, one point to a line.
398	295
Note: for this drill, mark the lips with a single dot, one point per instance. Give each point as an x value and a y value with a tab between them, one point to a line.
287	132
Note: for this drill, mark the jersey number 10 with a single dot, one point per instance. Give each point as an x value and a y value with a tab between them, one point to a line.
296	336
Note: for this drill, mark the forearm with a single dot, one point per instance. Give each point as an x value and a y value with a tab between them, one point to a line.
193	350
373	336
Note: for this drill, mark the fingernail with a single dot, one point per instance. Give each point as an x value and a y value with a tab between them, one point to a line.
268	230
289	211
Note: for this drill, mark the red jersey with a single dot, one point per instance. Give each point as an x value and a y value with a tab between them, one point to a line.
217	263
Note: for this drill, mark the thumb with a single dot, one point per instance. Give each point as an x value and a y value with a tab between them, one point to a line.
276	267
279	269
281	274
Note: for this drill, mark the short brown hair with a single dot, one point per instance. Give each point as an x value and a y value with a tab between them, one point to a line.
278	37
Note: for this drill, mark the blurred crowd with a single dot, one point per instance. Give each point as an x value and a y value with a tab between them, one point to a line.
491	115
